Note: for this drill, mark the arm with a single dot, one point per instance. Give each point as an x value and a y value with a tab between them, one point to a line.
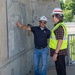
57	50
58	45
23	26
59	36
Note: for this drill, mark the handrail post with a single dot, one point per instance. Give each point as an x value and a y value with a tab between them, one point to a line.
68	58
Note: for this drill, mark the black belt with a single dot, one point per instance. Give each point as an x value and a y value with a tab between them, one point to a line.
40	47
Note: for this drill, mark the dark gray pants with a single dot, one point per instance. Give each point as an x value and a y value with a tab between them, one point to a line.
60	65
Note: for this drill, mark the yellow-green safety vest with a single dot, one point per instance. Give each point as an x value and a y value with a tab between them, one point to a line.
53	41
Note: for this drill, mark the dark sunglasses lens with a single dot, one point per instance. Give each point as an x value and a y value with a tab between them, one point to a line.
52	15
42	22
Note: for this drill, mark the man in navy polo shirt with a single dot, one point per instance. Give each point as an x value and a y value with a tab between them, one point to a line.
41	34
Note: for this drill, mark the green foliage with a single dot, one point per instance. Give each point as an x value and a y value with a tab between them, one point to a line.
73	0
70	6
73	19
72	49
68	9
68	15
61	4
72	42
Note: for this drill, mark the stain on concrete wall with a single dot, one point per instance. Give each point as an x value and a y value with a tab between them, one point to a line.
16	11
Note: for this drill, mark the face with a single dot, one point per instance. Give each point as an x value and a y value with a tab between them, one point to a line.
55	19
42	23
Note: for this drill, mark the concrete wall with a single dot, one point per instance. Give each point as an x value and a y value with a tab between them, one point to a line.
22	62
3	31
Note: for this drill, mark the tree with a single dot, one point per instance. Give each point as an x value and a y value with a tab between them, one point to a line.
62	4
73	0
68	15
68	8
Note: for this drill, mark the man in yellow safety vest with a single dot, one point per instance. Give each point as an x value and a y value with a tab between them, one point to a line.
58	41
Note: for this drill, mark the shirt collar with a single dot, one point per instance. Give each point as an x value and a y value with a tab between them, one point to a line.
42	28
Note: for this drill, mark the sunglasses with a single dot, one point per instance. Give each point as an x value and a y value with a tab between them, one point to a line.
43	22
52	15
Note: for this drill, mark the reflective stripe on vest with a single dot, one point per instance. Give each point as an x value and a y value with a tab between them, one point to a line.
53	42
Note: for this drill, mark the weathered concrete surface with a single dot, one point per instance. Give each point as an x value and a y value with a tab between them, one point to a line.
21	61
51	70
3	31
70	70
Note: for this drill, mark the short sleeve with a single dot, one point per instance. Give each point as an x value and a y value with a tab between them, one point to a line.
59	33
33	29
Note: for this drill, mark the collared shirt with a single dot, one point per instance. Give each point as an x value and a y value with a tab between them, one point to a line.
59	32
40	36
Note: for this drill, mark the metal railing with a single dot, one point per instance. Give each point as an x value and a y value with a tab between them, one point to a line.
71	49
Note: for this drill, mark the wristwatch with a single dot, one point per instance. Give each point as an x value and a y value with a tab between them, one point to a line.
55	53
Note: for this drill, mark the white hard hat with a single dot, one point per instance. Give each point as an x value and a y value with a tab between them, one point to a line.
43	18
57	11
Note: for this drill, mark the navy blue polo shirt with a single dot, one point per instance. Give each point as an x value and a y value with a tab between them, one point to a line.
40	36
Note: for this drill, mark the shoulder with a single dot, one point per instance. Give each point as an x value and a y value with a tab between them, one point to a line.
60	27
34	26
59	30
48	30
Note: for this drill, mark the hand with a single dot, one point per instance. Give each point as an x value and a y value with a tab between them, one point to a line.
54	58
18	24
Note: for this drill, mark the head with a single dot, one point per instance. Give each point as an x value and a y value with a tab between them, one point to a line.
57	15
43	21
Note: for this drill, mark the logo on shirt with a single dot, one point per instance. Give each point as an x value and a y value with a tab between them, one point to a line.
44	31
